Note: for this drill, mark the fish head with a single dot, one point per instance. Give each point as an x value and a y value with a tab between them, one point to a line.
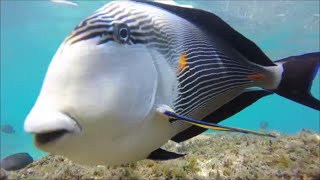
98	87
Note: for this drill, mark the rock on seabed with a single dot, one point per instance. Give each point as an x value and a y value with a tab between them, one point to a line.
210	156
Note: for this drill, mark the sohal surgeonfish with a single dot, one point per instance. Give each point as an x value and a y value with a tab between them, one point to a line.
136	74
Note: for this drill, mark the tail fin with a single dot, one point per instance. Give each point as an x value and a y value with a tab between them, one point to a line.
298	74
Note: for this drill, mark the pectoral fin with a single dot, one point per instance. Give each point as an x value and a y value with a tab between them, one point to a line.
169	112
229	109
161	154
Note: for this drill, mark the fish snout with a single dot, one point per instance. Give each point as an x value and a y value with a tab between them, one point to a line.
48	127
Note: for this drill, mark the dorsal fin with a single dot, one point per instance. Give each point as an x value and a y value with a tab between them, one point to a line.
217	27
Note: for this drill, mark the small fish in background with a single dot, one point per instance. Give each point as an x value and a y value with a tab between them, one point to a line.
7	128
264	125
136	74
66	2
16	161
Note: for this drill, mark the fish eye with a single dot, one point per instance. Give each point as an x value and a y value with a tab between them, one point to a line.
121	33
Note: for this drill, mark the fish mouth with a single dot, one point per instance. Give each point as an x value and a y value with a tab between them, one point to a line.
50	127
48	137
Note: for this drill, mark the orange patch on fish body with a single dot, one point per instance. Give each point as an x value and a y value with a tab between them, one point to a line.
256	76
182	62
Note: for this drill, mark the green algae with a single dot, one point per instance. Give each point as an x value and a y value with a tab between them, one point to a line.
210	156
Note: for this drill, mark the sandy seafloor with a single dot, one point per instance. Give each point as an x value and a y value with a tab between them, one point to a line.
210	156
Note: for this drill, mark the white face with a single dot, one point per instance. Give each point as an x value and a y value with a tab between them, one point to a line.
92	95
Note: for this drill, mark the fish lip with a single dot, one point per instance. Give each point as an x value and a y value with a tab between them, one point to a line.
48	137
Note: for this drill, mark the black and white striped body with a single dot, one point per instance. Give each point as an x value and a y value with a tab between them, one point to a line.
210	72
214	73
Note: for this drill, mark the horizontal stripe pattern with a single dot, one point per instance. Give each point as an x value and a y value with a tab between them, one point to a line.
209	72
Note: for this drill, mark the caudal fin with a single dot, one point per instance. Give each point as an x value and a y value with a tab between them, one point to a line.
298	74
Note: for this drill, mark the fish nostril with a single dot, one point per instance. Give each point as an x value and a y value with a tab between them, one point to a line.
44	138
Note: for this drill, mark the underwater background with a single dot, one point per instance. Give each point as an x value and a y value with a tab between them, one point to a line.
31	32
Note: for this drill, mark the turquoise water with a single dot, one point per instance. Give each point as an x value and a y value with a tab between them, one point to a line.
31	32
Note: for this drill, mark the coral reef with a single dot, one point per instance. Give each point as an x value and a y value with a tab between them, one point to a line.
210	156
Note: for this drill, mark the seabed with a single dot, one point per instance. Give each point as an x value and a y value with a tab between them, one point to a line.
210	156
